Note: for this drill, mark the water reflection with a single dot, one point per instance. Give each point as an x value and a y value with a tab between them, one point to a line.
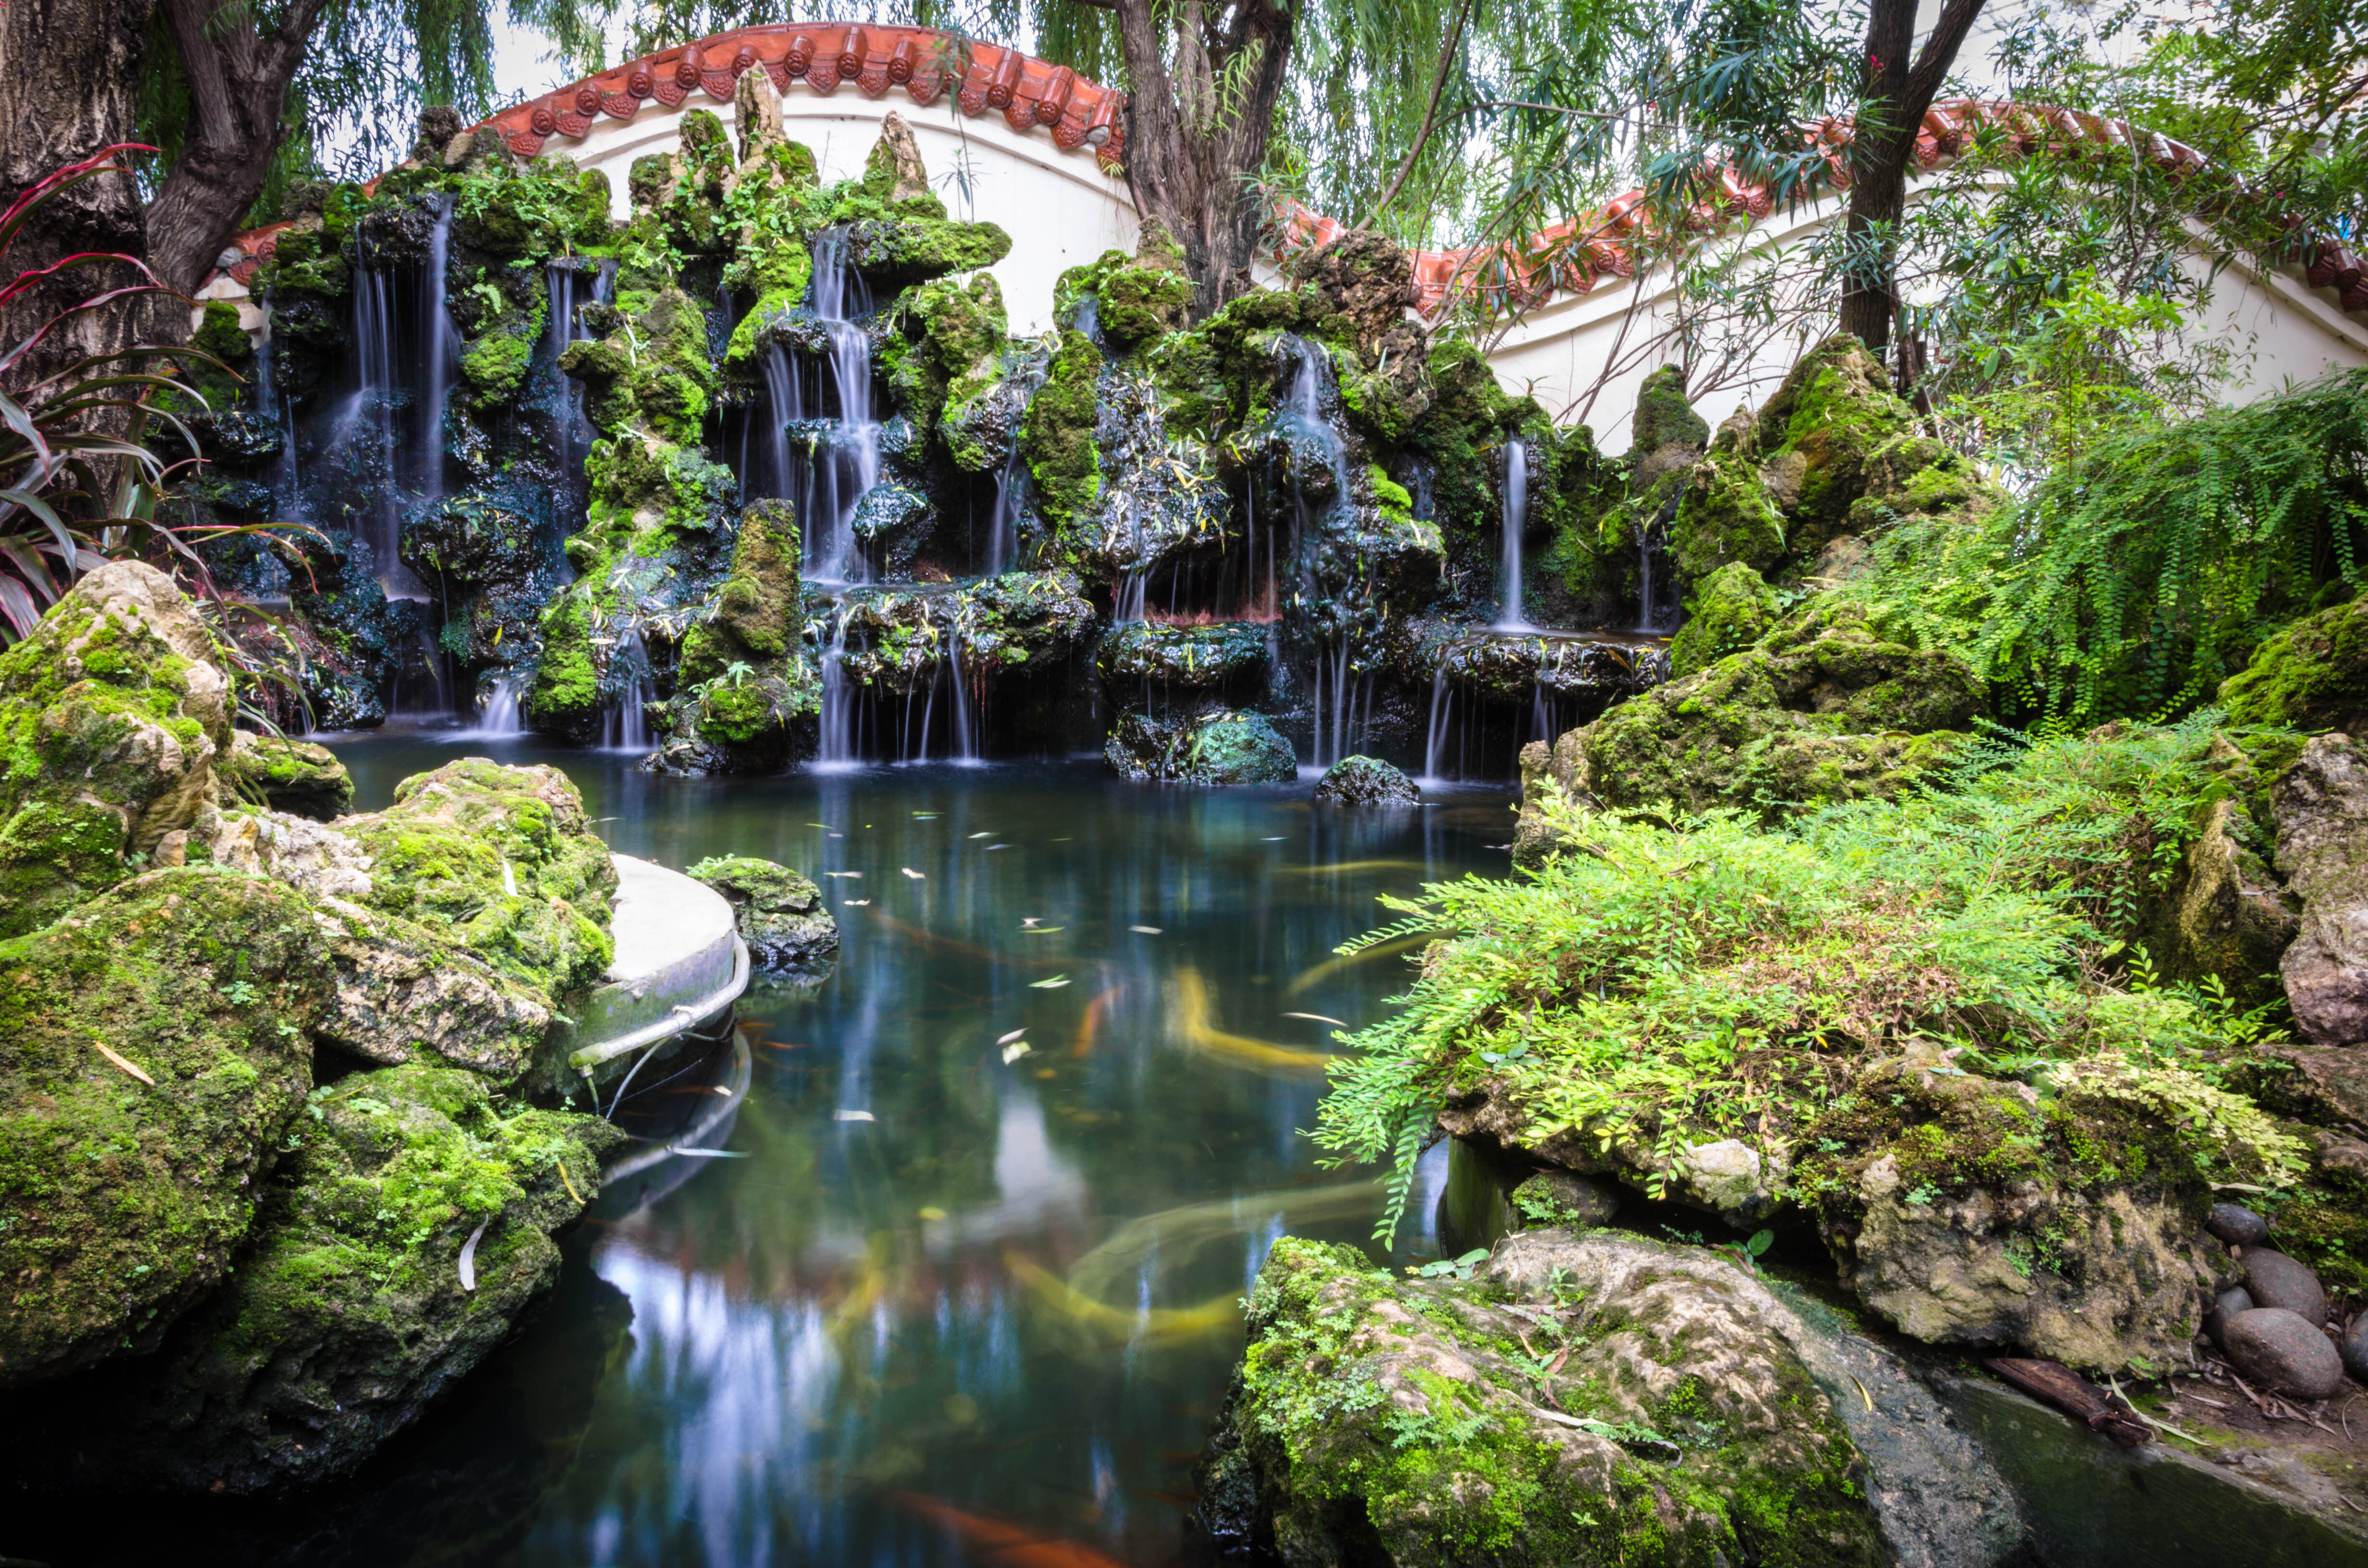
991	1323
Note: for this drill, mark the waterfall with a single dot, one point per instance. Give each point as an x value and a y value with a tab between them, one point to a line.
1652	571
366	424
572	423
502	715
851	467
286	481
965	717
1443	708
1012	484
625	726
441	359
838	698
1517	518
785	402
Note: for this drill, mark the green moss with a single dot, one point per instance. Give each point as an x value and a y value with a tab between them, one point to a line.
2311	676
1724	516
500	860
285	775
1730	610
495	367
1057	437
221	337
566	693
1663	415
121	1201
1834	411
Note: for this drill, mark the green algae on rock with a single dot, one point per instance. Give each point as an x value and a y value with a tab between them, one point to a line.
1732	609
407	1229
111	713
1365	781
154	1043
778	912
2312	674
1405	1421
1217	746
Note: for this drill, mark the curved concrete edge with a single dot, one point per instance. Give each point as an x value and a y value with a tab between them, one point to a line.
679	960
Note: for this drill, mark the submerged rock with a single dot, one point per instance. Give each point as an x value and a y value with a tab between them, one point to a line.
295	776
112	712
154	1043
1366	781
2321	804
407	1231
1219	746
1690	1416
780	914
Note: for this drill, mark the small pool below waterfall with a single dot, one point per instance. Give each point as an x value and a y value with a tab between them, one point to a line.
934	1305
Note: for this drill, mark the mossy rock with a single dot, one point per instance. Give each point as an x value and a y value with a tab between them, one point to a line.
1730	610
1025	623
1056	437
350	1314
122	1202
1725	517
1218	747
897	252
1366	781
112	710
471	539
1401	1421
1227	656
1831	706
296	776
501	861
1831	415
781	914
2311	676
565	697
1663	415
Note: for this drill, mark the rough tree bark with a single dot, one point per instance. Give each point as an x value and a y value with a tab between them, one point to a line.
1898	92
1190	142
69	73
238	90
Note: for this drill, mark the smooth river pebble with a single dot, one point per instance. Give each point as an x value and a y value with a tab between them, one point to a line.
2283	1352
2277	1280
2237	1225
2226	1305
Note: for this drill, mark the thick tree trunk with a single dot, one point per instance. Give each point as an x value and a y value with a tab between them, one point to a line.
1191	147
238	89
69	73
1896	96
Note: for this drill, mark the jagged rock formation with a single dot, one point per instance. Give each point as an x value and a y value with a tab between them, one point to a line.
779	913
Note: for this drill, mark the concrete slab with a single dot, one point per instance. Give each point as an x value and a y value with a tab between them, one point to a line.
680	960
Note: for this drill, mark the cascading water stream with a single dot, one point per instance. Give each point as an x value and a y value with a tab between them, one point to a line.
441	359
1652	572
838	738
1010	485
851	466
785	403
1443	708
1517	517
572	424
363	431
965	718
625	726
502	715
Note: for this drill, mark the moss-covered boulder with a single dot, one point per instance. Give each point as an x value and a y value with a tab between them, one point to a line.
1365	781
500	861
781	914
747	692
1824	426
1215	746
1730	610
111	714
153	1045
1584	1400
2311	676
291	775
1227	657
407	1231
1831	706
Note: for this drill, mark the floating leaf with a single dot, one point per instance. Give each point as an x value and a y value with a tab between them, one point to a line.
917	876
1147	930
1055	983
1317	1018
852	1116
1012	1053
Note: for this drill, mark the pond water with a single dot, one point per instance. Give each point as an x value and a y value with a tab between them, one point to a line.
935	1307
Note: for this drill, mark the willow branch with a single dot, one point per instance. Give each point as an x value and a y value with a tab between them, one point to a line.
1429	116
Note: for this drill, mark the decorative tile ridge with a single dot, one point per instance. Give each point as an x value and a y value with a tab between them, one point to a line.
1027	92
1575	255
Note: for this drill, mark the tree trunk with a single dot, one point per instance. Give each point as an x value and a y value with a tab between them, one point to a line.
1897	94
238	90
1191	145
69	74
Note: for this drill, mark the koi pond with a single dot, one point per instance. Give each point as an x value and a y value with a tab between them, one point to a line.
959	1279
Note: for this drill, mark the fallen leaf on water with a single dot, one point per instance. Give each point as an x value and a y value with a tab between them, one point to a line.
917	876
1318	1017
1029	919
710	1153
1046	1073
1012	1053
1043	930
1148	930
925	816
857	874
989	834
820	824
724	1092
1277	838
1015	1034
993	847
852	1116
1055	983
855	904
933	1212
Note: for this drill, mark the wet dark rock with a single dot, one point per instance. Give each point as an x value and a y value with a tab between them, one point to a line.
1514	666
1219	746
1366	781
2226	1305
1223	656
2354	1347
2284	1352
2225	914
2321	804
470	539
2237	1225
2277	1280
780	914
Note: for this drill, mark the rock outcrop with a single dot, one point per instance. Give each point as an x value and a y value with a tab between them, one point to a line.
2321	804
295	776
1216	746
780	914
1366	781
